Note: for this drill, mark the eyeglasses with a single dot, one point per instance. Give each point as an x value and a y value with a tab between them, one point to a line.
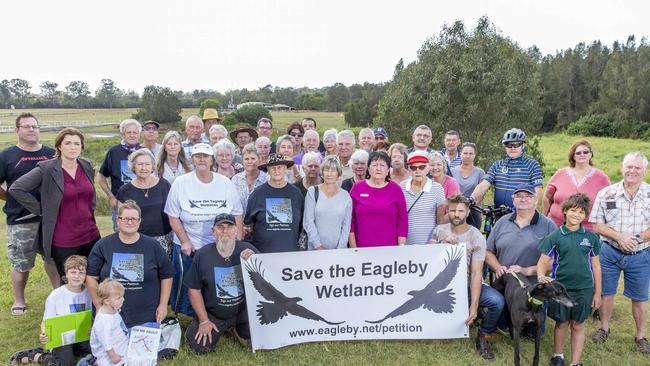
150	128
297	134
514	145
129	219
264	128
417	167
584	152
29	127
523	197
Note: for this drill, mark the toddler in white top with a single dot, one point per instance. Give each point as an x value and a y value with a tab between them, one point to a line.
108	338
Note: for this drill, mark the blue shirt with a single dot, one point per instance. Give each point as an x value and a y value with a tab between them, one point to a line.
188	145
505	175
452	163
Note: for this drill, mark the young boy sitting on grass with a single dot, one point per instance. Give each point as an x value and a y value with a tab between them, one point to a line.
67	299
573	253
108	338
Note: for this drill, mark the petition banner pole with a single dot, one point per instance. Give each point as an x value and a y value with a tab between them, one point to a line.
408	292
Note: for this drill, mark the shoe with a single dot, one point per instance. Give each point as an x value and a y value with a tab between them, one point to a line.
600	336
643	345
246	342
557	361
484	346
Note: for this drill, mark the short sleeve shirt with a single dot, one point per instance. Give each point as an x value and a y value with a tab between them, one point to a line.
572	252
505	175
474	243
116	167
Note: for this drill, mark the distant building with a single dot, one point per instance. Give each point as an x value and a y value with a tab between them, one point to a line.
282	108
268	106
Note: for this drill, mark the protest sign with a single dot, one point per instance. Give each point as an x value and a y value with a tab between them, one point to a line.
408	292
143	346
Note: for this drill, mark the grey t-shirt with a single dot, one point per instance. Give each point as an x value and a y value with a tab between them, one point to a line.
474	243
468	184
327	221
514	245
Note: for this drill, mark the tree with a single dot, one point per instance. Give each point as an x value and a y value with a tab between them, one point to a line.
398	68
20	89
479	83
338	96
78	91
209	103
48	89
5	94
159	104
107	93
250	114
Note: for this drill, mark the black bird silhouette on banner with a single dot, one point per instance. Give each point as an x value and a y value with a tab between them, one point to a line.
279	305
432	297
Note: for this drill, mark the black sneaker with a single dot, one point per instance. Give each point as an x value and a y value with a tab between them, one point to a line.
484	346
643	346
557	361
600	336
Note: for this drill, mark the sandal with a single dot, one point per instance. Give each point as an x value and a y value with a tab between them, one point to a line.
19	310
29	354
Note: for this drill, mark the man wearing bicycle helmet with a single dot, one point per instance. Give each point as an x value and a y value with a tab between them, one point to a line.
505	175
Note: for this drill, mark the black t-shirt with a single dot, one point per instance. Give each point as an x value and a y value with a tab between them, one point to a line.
139	267
154	219
220	282
14	163
273	148
301	188
347	184
116	166
276	216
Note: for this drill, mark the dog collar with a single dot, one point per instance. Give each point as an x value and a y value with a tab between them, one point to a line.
531	299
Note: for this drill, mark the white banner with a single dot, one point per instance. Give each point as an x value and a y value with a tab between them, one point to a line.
409	292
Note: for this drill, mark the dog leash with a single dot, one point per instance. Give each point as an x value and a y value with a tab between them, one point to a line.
531	299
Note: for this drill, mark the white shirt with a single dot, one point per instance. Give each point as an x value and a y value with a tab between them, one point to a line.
196	204
62	301
109	332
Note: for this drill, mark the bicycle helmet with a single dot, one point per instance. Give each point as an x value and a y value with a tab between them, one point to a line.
513	135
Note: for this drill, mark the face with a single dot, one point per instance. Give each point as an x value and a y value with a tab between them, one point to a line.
308	124
524	200
277	172
225	231
193	129
28	130
419	171
379	138
457	213
437	168
366	140
514	149
128	222
150	132
574	216
346	146
263	147
115	301
468	154
286	149
250	162
378	170
311	142
264	129
209	123
76	276
216	136
143	166
297	135
202	162
312	169
582	155
397	159
359	168
421	139
172	147
633	171
224	158
451	142
70	147
243	138
131	135
330	145
330	175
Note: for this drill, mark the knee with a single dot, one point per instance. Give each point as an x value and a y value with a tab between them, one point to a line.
577	327
562	326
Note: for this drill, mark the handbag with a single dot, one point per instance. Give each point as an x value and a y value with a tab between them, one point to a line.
170	338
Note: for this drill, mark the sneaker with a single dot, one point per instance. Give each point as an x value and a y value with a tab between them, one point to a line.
484	346
246	342
643	345
600	336
557	361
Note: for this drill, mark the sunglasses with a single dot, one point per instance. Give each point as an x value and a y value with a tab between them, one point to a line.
296	134
417	167
150	128
585	152
514	145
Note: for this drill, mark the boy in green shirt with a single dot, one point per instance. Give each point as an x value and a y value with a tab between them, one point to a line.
573	253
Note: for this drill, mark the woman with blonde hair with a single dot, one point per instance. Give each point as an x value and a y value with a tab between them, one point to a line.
171	161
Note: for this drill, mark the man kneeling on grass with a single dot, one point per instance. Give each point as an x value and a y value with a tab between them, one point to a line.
459	231
216	289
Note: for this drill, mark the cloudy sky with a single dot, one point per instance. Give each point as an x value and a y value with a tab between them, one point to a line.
251	43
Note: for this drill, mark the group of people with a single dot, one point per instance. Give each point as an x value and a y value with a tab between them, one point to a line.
241	193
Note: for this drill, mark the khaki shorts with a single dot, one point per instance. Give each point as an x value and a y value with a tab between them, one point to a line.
22	246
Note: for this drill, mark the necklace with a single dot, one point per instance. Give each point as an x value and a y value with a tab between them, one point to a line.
146	192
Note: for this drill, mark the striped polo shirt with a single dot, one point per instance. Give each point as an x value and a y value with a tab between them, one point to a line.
505	175
422	211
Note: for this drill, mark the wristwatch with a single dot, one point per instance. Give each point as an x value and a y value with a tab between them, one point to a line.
638	238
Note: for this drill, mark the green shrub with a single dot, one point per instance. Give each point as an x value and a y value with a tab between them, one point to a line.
592	125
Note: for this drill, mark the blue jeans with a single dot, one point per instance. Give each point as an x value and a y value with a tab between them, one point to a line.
494	302
636	279
179	299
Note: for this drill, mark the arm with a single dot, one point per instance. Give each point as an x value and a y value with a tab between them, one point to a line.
476	279
165	291
345	227
538	194
239	223
352	240
494	264
542	268
115	358
598	284
103	184
205	325
627	242
309	220
3	194
91	284
547	201
402	217
22	187
179	230
441	214
480	191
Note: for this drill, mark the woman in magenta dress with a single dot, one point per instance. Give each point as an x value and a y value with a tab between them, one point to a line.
379	216
579	177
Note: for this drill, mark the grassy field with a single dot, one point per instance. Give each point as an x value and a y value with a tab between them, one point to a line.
22	332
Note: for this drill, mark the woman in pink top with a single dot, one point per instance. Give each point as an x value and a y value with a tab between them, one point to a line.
379	216
579	177
438	165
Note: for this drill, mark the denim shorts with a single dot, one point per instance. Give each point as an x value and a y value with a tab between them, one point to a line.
636	272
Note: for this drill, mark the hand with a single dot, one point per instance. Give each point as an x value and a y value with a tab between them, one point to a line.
115	358
186	248
501	271
596	302
43	338
247	231
161	313
237	166
452	239
246	253
471	317
544	279
204	333
113	202
320	248
516	268
627	242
